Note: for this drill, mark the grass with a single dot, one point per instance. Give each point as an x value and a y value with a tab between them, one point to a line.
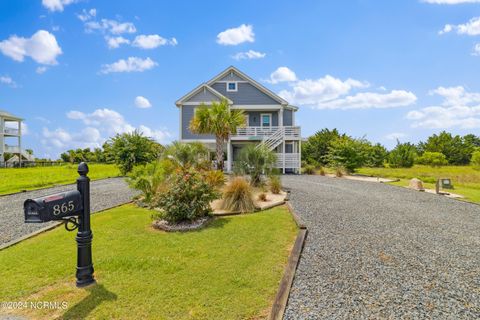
19	179
466	180
229	270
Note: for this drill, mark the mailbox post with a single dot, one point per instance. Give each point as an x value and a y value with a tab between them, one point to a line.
71	207
84	236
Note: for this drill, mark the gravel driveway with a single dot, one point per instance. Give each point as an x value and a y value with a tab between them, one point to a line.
378	251
104	194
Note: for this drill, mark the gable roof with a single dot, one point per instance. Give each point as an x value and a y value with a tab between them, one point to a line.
203	86
253	82
8	115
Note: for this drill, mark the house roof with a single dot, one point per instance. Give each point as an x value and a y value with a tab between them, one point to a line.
222	74
203	86
8	115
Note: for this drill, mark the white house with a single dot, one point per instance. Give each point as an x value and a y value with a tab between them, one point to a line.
11	137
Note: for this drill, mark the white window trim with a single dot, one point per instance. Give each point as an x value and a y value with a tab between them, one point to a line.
236	86
261	119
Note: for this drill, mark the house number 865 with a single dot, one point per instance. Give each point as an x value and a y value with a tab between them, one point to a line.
63	208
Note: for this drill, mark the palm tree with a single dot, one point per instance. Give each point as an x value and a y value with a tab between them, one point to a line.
219	120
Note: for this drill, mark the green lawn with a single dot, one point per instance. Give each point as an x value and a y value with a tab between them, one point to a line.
466	180
18	179
229	270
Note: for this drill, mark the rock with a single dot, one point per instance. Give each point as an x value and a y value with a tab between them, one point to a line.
181	226
416	184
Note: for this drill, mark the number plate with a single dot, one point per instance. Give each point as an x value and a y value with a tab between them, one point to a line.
53	207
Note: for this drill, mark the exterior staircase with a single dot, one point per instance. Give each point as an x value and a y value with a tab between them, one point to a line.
274	140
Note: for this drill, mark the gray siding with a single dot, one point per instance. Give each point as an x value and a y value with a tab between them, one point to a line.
231	77
187	115
254	118
287	117
203	96
245	94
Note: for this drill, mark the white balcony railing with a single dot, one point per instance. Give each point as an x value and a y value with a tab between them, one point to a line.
244	132
11	149
11	131
292	160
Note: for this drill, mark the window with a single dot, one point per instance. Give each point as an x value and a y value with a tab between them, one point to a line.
266	120
231	86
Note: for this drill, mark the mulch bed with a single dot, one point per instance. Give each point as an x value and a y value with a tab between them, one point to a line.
182	226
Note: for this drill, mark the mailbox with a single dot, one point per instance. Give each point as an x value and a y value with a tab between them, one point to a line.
53	207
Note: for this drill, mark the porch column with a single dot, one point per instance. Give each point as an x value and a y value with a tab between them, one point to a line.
283	157
300	155
20	143
229	156
2	141
280	117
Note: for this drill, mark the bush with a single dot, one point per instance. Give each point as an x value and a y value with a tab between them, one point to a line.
188	197
254	161
475	161
237	196
149	178
215	178
262	197
321	171
339	171
434	159
403	156
193	154
275	184
308	169
348	153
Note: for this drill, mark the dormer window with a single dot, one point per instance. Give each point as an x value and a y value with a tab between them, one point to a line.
231	86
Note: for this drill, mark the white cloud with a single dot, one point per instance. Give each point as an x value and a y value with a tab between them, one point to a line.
235	36
56	5
316	92
396	136
152	41
471	28
58	138
367	100
8	81
250	54
459	109
282	74
158	135
41	47
142	102
41	70
87	15
132	64
110	26
450	1
476	50
115	42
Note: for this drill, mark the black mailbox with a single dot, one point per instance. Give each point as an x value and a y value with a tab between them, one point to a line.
53	207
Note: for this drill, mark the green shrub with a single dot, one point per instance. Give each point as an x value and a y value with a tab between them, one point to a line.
188	197
475	161
402	156
275	184
339	171
321	171
148	179
308	169
237	196
215	178
193	154
433	159
348	153
254	161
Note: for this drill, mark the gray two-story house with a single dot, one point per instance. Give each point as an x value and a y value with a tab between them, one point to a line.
270	120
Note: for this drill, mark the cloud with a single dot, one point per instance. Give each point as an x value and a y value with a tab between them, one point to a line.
8	81
142	102
450	1
42	47
235	36
471	28
396	136
316	92
152	41
476	50
282	74
459	108
87	15
250	54
132	64
115	42
110	26
367	100
56	5
41	70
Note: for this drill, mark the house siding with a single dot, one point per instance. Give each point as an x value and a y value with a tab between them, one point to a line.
254	118
231	77
203	96
187	115
287	117
245	94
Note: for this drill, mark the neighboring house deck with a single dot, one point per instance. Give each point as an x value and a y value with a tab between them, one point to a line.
11	137
270	120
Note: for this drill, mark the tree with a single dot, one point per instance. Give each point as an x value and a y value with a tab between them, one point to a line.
315	150
348	153
193	154
219	120
130	149
403	155
376	155
472	140
255	161
434	159
454	148
475	162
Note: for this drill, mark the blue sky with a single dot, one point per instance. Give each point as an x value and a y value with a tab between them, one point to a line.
380	69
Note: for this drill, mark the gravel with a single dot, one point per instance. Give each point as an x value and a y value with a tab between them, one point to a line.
378	251
104	194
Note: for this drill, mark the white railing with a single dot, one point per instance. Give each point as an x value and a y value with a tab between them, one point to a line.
12	149
11	131
266	131
292	160
272	141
